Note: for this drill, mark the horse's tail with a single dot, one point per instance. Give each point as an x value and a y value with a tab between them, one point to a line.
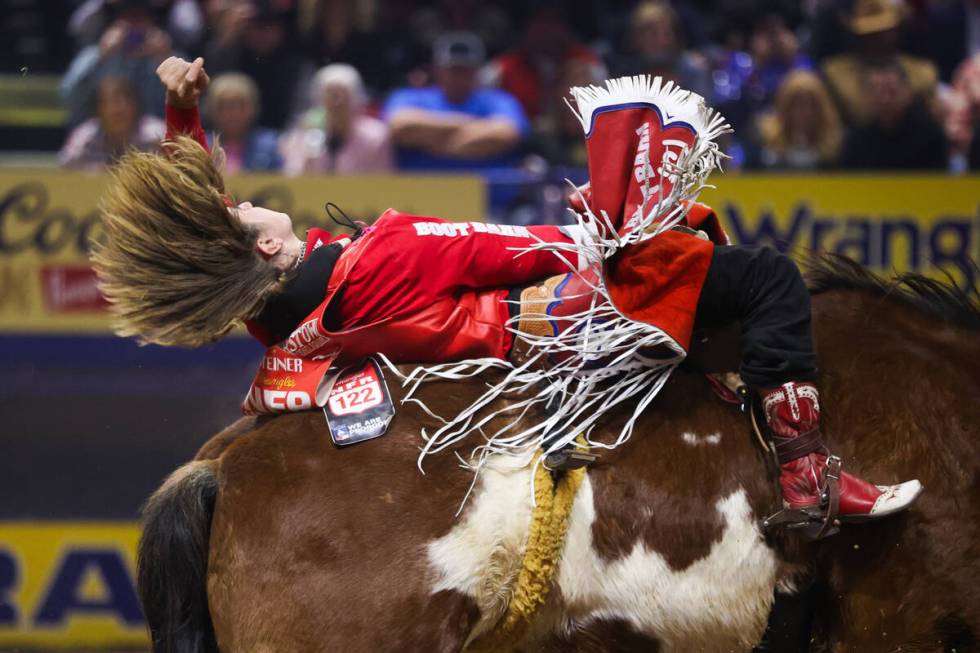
173	560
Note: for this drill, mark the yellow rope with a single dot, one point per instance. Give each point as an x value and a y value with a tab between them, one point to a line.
545	541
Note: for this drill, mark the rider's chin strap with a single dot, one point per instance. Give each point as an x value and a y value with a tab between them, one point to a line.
333	211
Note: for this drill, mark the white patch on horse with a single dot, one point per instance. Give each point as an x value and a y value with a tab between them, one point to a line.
718	603
695	440
481	556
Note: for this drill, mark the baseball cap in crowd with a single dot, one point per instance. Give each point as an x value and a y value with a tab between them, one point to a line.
458	49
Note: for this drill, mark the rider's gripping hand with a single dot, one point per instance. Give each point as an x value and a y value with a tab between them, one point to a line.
185	81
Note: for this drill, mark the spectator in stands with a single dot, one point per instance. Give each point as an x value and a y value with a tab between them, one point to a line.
118	127
488	20
803	132
963	115
534	71
876	24
336	135
345	31
132	46
746	82
455	124
231	105
182	19
655	47
902	134
254	37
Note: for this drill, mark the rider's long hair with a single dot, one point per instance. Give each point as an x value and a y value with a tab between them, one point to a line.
176	265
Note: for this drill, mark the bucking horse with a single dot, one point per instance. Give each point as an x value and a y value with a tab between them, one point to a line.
274	540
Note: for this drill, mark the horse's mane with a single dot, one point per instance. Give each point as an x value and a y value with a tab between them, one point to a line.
939	298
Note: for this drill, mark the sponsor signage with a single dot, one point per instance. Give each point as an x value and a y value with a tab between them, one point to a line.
359	406
916	223
48	218
69	584
928	224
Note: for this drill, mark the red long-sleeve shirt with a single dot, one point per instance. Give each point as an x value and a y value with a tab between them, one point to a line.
414	261
409	265
186	122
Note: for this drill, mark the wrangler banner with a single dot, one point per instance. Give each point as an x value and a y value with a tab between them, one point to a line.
69	584
928	224
47	219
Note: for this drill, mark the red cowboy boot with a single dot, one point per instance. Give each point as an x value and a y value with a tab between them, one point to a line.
811	480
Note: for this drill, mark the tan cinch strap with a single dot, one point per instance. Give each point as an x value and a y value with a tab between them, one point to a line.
545	542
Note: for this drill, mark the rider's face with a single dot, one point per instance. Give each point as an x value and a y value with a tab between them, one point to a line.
276	239
264	221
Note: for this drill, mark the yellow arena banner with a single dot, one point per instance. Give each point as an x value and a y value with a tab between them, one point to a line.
914	223
928	224
48	217
69	585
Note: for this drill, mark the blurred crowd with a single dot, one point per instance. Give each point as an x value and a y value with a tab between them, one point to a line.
362	86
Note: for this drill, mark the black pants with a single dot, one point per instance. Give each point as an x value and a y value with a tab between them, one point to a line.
763	290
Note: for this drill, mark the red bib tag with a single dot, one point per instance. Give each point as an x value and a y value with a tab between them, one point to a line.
359	406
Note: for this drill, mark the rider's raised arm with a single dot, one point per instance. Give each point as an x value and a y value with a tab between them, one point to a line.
185	82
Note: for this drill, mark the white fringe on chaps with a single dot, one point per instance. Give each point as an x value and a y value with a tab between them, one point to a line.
605	359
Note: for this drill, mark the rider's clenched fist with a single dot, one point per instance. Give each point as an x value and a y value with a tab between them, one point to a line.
184	81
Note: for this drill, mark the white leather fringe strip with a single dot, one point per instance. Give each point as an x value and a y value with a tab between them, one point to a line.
604	358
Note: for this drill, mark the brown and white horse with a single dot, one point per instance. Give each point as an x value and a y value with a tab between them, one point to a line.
272	540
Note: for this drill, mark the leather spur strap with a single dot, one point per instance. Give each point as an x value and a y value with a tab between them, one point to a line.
814	523
831	493
788	449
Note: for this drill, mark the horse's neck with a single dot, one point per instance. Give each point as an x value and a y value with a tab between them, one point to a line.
855	322
898	385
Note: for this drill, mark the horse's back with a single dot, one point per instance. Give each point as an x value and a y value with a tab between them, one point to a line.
338	541
219	442
345	544
319	548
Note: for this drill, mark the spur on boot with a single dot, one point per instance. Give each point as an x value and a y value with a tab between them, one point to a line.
810	478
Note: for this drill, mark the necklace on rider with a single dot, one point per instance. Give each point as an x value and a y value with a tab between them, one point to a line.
301	255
